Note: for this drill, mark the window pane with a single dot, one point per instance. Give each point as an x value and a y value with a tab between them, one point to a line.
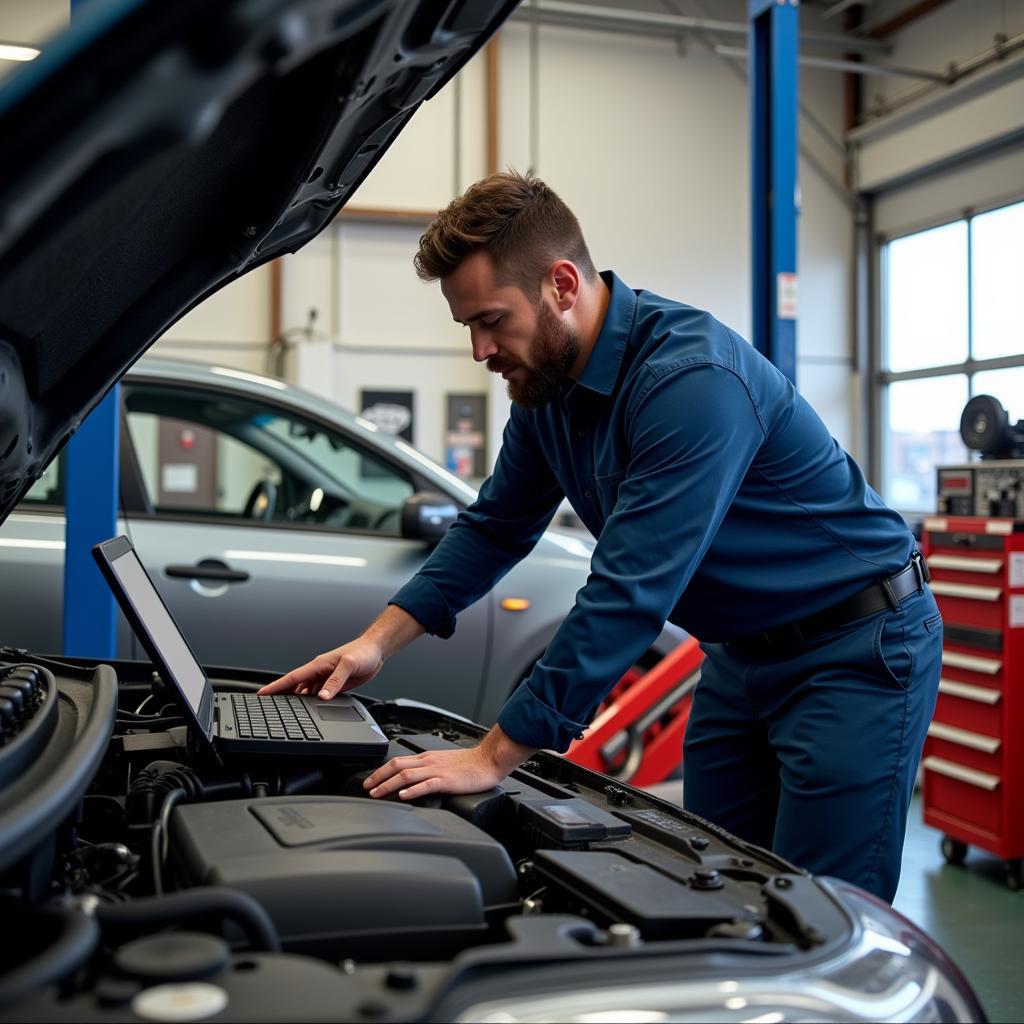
924	432
926	298
997	273
1006	385
49	488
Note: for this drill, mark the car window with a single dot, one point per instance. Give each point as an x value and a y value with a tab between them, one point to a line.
233	457
49	488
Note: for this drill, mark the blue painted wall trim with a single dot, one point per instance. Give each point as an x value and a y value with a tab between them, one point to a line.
773	86
90	499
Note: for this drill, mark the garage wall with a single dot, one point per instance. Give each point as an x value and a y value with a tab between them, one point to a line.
645	138
649	146
942	150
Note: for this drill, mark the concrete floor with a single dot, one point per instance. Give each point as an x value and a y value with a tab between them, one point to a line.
968	911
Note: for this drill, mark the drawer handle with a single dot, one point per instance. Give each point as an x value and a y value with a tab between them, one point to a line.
966	564
971	662
974	740
982	694
971	590
951	770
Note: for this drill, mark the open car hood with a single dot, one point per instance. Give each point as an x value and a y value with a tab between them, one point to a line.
157	151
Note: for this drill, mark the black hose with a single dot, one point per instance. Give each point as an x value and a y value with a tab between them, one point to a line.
77	939
212	901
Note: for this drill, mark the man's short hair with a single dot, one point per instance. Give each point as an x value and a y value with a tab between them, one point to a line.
518	220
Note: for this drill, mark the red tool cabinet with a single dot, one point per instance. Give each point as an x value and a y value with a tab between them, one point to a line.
974	755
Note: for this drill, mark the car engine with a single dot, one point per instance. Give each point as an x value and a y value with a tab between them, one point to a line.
131	872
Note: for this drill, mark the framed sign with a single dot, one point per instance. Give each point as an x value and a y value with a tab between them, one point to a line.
391	411
465	441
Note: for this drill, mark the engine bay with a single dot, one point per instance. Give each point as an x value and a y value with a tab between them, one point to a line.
130	866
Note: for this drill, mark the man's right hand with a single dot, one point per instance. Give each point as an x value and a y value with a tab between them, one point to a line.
344	668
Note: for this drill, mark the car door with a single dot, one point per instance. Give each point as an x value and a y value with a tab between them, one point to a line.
273	536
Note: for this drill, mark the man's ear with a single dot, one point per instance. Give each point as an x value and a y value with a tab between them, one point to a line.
565	280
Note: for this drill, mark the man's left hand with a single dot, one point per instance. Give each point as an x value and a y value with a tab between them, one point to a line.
472	770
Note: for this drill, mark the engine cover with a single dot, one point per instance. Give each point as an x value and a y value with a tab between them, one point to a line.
349	876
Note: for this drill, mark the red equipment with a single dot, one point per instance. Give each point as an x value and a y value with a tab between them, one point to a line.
974	755
638	733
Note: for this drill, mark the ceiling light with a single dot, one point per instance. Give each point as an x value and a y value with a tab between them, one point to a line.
12	51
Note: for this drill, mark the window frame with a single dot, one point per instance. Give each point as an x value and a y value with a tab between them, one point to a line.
419	482
881	377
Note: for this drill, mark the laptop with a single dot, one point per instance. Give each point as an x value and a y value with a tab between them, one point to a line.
229	723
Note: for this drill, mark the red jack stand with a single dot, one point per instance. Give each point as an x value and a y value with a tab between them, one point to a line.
637	735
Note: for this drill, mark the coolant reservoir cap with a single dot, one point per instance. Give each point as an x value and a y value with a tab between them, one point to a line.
195	1000
176	956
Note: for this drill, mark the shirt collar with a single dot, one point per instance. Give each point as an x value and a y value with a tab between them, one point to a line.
602	369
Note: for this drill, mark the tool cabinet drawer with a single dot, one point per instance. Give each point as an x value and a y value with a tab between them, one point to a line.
974	797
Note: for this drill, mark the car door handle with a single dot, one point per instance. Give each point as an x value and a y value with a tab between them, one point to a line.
214	572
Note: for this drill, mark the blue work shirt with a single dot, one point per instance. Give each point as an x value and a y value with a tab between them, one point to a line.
717	496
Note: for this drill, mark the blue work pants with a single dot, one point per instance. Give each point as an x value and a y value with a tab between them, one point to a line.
813	754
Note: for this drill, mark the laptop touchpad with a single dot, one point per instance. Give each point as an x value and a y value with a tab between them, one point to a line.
338	713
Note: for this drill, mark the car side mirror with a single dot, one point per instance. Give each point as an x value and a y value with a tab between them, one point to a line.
427	515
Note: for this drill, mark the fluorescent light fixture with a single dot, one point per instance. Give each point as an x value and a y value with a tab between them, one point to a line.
41	545
296	557
252	378
12	51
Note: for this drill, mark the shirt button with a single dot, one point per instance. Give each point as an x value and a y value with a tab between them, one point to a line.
586	494
581	433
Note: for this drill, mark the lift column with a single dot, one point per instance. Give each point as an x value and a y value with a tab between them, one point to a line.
90	509
774	202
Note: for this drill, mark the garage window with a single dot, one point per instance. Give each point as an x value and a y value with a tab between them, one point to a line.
953	327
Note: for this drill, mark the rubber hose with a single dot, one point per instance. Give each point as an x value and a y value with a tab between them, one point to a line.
77	940
212	901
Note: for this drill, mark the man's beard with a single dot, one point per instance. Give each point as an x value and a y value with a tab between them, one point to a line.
554	350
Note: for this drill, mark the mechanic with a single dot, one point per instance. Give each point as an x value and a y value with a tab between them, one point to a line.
720	502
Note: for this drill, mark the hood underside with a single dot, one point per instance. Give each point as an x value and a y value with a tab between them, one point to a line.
158	151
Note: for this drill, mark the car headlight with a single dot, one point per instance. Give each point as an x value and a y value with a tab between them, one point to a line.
891	972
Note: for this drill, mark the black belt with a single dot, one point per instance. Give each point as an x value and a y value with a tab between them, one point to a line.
889	593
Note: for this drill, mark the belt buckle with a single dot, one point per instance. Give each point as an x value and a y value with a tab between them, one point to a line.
923	572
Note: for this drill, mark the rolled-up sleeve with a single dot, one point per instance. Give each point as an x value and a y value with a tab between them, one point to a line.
694	431
514	507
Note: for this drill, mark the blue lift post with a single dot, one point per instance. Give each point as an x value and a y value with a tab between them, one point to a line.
773	84
90	508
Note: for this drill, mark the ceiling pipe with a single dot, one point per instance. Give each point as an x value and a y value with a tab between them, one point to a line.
613	19
855	67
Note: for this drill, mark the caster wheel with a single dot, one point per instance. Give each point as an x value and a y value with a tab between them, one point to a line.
953	850
1015	874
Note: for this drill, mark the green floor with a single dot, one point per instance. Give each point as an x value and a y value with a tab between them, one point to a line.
971	913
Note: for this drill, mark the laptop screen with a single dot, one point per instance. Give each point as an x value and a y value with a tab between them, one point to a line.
172	652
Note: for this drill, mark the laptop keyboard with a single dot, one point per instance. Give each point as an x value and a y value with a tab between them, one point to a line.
276	717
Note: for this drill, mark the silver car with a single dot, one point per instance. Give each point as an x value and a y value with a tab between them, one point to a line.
277	525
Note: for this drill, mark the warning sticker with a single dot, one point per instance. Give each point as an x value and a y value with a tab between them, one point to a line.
1016	611
785	299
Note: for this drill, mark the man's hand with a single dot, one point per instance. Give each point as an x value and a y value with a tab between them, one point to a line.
353	664
450	771
344	668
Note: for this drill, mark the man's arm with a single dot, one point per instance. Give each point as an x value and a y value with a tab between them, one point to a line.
353	664
500	528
